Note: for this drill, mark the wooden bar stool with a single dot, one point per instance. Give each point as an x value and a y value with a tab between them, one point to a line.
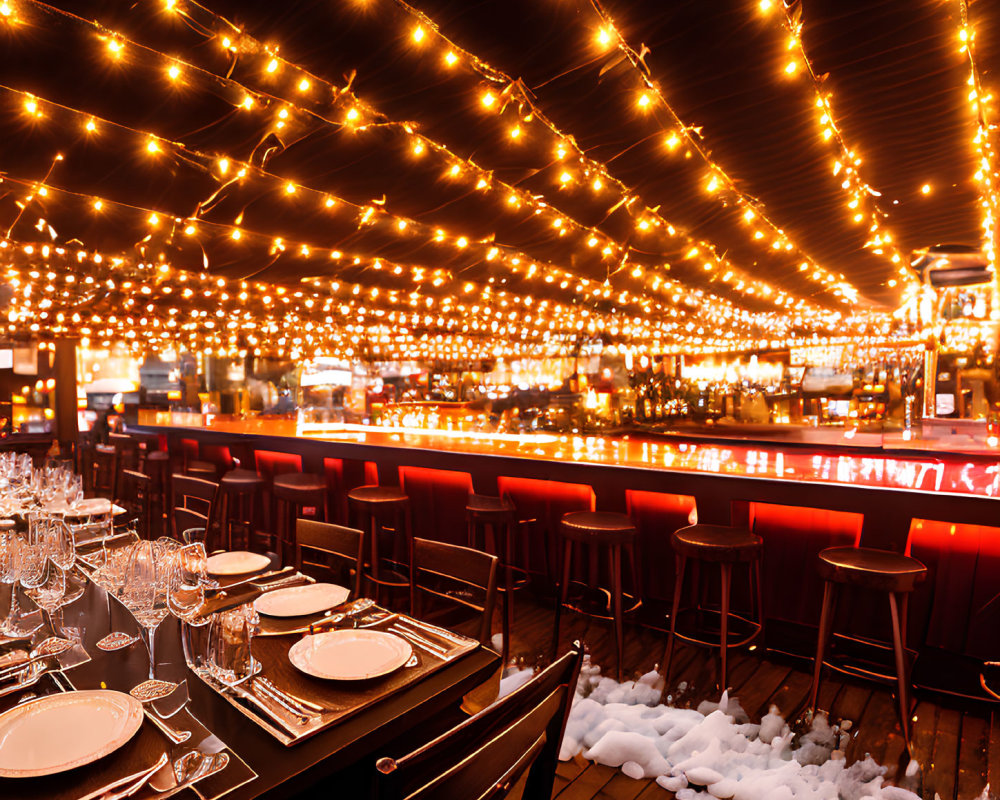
882	571
104	471
725	546
497	516
239	491
296	494
606	533
382	511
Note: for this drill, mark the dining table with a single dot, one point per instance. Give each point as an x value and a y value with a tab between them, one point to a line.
341	755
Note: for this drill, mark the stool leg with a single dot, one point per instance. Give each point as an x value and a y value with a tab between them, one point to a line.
508	596
563	593
679	563
616	589
636	576
825	624
759	596
901	673
727	584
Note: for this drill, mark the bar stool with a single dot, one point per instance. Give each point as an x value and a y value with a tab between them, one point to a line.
384	510
104	470
606	533
497	515
156	464
725	546
239	490
294	494
883	571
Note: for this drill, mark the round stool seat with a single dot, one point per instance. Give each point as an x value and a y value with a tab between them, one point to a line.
105	449
484	506
377	495
242	480
202	469
157	455
299	487
597	526
718	543
875	569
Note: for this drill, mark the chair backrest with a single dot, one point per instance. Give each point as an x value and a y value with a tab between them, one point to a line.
136	499
193	503
127	449
333	540
460	575
487	755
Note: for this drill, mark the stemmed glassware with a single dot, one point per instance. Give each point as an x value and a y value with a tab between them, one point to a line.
11	547
41	577
145	592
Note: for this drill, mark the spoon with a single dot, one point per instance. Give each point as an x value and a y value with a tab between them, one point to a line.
356	608
188	769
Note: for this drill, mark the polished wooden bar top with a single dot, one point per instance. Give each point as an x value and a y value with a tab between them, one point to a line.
948	472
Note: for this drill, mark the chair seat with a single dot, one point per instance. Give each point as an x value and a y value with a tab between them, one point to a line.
487	504
875	569
717	543
377	494
606	527
241	480
157	455
105	449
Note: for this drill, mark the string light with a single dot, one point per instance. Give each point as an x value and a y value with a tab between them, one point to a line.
862	197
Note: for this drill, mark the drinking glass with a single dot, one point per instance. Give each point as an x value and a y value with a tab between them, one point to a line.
43	580
230	638
185	597
145	593
10	574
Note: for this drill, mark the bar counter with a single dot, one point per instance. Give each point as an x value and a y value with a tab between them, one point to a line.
939	508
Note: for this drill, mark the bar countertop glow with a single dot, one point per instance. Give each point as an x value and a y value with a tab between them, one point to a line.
952	473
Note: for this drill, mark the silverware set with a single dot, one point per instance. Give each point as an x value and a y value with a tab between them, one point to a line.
164	776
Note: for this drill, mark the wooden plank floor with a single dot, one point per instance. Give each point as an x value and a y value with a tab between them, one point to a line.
958	749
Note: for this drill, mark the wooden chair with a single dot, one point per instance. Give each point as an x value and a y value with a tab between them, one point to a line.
136	494
459	575
193	504
126	449
488	755
344	544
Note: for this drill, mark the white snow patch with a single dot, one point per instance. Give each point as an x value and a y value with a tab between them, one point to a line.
714	751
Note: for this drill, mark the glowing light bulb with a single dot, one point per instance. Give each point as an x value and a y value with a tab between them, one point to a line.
455	169
352	114
515	132
925	189
604	37
462	242
272	65
115	48
91	125
672	141
152	146
765	5
791	67
174	72
223	165
488	99
236	234
450	58
597	185
190	230
643	101
565	177
247	102
329	202
418	148
304	85
154	220
98	205
418	34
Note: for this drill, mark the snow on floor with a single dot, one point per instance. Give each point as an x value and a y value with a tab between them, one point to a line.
713	751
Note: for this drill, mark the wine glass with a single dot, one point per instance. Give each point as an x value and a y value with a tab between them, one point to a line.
42	579
145	592
10	574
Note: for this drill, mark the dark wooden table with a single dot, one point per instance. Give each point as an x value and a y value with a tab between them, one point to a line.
342	756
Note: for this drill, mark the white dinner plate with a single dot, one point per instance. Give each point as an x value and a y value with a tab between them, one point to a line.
92	506
237	562
297	601
350	655
63	731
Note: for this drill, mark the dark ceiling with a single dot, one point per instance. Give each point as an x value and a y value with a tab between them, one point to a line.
894	69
